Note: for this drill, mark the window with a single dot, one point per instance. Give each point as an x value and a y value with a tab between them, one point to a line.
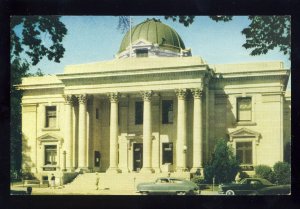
50	154
244	109
244	152
141	52
50	117
139	106
167	153
167	111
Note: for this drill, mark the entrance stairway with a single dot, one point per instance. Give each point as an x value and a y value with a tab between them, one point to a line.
121	181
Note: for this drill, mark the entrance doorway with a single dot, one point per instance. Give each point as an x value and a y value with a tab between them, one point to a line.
137	156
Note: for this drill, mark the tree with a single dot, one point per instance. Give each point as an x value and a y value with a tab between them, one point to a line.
223	164
264	33
282	172
32	38
41	36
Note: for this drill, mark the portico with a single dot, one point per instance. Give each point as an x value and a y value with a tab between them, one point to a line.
123	129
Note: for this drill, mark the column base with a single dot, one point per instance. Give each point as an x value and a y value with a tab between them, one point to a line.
157	170
113	170
82	170
146	170
197	170
69	170
181	170
124	170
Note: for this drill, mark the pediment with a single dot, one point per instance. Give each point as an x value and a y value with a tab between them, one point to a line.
141	42
49	137
244	132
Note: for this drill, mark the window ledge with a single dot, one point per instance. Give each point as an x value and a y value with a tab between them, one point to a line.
50	129
50	167
247	167
245	123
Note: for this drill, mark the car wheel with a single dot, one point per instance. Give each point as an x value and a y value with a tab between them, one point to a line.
144	193
181	193
229	192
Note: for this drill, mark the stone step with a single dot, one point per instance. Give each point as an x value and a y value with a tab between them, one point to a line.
118	181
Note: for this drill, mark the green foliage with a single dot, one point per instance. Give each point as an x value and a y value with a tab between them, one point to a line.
36	37
263	34
200	181
223	18
282	172
268	32
18	70
223	164
185	20
31	41
28	176
264	171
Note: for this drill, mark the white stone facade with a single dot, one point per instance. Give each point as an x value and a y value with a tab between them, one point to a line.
95	110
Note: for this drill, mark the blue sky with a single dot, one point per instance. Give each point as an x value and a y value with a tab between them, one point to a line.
96	38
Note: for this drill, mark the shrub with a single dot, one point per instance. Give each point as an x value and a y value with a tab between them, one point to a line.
282	172
223	164
28	176
263	171
200	181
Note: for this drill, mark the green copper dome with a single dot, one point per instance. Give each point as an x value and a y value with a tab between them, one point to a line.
155	32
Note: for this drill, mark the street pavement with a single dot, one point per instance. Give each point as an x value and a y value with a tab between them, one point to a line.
100	191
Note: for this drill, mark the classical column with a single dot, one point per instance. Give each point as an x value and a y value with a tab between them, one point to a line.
82	132
113	154
123	127
207	119
68	139
197	131
181	147
147	133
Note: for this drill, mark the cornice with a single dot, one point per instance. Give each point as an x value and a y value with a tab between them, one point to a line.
157	71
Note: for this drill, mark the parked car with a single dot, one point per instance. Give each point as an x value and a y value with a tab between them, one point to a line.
170	186
274	190
245	186
21	191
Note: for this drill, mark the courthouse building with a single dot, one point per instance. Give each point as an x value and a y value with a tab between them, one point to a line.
154	108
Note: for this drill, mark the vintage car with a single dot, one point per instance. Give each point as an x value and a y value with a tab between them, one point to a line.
21	191
171	186
274	190
245	186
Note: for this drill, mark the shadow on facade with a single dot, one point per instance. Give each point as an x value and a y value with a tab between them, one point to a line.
27	162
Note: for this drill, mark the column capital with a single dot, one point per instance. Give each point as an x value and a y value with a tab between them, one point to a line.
68	99
82	98
197	93
181	93
114	96
147	95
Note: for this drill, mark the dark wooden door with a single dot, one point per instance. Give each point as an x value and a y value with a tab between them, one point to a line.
137	156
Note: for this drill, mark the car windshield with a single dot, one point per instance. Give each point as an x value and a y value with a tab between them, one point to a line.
243	181
266	182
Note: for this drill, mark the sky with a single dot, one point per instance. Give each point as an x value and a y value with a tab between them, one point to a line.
96	38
